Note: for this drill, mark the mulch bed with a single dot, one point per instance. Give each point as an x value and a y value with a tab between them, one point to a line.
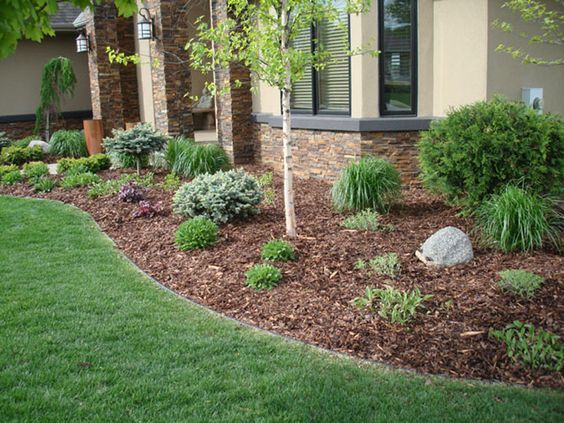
312	303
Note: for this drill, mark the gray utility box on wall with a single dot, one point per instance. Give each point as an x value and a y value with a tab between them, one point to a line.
533	97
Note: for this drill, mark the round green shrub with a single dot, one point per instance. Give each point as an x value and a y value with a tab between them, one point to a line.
219	197
199	232
20	155
263	276
277	250
370	183
186	158
477	149
93	164
35	169
517	220
11	178
68	143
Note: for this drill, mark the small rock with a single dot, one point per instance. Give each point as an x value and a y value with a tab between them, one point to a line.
44	146
52	168
446	247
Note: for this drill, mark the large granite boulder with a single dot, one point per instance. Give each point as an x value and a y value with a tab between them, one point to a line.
446	247
44	146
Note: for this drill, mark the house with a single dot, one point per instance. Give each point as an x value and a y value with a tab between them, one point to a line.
20	78
435	54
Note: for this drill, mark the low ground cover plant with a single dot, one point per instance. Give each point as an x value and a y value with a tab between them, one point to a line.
44	184
263	276
533	347
4	140
196	233
112	186
7	169
187	158
131	192
392	304
68	143
20	155
520	282
370	183
93	164
265	183
11	177
33	170
516	219
147	209
366	220
387	264
479	148
221	196
171	182
75	180
277	250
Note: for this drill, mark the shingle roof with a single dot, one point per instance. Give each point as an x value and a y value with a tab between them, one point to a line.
65	16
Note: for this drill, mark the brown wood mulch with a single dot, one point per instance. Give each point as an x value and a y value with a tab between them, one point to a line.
312	303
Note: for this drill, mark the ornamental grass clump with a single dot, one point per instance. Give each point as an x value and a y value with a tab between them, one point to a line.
186	158
520	282
277	250
263	276
138	142
370	183
196	233
68	143
220	197
517	220
44	184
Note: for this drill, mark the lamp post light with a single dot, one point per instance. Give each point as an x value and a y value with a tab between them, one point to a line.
82	44
145	25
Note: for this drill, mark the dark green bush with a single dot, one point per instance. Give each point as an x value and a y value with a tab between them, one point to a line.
68	143
199	232
263	276
515	219
277	250
477	149
20	155
370	183
92	164
35	170
186	158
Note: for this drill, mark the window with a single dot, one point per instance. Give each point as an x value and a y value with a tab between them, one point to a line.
398	58
328	90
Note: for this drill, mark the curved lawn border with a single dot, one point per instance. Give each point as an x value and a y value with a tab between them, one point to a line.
243	375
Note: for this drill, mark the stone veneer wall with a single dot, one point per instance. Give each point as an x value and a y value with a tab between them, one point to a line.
322	154
128	74
19	130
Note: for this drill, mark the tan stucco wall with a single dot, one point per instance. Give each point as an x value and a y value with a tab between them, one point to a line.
506	76
20	75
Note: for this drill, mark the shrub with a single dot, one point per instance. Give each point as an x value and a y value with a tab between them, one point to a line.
480	148
131	192
394	305
24	142
520	282
171	182
535	348
277	250
387	264
263	276
138	142
147	209
517	220
35	170
12	177
43	184
366	220
370	183
198	232
4	140
92	164
68	143
220	197
20	155
186	158
79	180
7	169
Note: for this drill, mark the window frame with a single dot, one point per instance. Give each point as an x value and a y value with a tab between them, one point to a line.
414	63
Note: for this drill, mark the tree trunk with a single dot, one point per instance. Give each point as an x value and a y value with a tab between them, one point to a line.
287	129
138	161
47	123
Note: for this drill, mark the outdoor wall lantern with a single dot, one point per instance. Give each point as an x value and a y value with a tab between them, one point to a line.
145	25
82	44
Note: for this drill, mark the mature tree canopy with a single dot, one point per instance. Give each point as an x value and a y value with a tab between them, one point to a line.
29	19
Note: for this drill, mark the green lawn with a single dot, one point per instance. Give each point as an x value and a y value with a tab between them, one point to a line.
84	336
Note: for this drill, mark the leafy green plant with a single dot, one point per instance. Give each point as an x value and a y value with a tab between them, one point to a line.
479	148
79	180
92	164
35	170
112	186
171	182
535	348
4	169
265	183
185	157
138	142
68	143
387	264
127	161
10	178
277	250
4	140
517	220
265	180
24	142
20	155
44	184
195	233
221	196
392	304
520	282
262	276
370	183
366	220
